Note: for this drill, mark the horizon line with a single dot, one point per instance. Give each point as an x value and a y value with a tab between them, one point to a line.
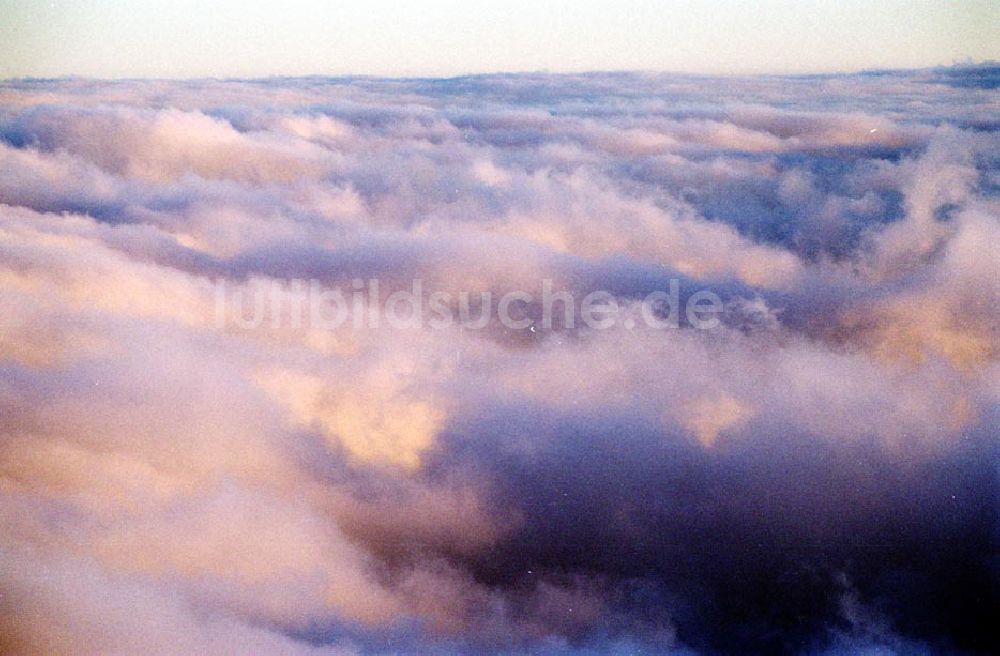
958	65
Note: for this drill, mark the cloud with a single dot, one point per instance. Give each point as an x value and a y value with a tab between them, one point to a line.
190	466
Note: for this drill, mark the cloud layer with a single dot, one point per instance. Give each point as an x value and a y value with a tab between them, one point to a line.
817	474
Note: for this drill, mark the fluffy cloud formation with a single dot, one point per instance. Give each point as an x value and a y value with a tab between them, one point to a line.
815	474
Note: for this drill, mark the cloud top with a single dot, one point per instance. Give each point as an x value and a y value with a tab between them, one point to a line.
816	473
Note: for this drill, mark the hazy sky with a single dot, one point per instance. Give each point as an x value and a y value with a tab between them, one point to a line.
185	38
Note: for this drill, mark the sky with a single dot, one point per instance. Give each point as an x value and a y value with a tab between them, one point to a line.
231	38
278	374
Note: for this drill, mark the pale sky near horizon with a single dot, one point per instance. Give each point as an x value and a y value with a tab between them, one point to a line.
157	38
